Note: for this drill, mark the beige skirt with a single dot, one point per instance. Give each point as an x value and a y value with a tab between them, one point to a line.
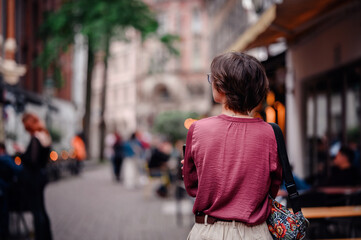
230	231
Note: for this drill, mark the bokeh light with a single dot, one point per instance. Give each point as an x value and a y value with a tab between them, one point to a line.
64	155
54	156
18	160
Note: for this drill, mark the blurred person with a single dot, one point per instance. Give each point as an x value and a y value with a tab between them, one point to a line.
174	163
143	139
144	153
231	162
319	174
343	173
79	152
8	169
132	150
157	165
118	156
8	174
109	142
34	160
301	184
160	154
140	147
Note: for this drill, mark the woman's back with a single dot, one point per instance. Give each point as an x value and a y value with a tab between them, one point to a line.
231	161
234	158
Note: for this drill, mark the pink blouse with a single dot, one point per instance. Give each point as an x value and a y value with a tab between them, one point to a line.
231	166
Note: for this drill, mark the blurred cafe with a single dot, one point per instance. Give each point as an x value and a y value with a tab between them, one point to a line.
317	77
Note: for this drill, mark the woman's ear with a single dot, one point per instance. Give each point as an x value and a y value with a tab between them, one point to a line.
218	96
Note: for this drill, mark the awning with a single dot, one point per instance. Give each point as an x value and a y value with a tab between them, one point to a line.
289	20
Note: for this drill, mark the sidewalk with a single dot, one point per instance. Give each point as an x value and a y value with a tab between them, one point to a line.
94	207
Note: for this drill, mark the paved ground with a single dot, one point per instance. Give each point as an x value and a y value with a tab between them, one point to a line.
94	207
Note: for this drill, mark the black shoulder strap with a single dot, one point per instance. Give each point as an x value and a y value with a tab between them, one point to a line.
286	169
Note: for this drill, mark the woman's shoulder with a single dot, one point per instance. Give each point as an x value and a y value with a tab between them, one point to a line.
204	123
265	129
208	120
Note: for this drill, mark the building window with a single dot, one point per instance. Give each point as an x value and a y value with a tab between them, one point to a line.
161	93
158	61
197	59
115	96
196	21
162	21
125	94
179	22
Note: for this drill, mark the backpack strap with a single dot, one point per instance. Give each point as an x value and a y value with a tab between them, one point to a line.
286	169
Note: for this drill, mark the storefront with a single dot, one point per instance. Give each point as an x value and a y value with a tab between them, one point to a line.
322	75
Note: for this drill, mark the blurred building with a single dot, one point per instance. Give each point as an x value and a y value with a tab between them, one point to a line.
169	82
25	86
121	100
144	79
318	77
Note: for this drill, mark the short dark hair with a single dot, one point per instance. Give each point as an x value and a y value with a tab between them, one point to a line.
348	152
241	78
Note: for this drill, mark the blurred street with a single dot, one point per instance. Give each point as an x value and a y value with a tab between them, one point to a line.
122	81
93	206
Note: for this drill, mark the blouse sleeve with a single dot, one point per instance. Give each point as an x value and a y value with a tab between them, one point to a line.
276	171
189	168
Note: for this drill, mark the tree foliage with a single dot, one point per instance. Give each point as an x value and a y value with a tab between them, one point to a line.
168	40
171	124
100	22
97	20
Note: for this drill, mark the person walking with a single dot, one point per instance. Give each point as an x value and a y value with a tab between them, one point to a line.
34	161
231	161
118	156
132	150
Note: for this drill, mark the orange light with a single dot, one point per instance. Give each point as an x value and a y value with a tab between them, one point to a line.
72	154
53	156
188	122
270	114
64	155
270	98
17	161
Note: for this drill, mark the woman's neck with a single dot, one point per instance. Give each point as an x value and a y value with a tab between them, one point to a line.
231	113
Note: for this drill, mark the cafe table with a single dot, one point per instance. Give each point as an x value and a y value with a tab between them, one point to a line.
345	215
332	212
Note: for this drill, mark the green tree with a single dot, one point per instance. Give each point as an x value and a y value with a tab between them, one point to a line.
100	22
171	124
